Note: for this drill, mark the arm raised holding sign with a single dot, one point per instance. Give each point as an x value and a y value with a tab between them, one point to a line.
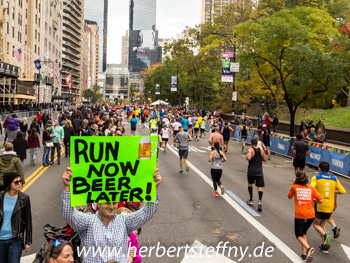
105	228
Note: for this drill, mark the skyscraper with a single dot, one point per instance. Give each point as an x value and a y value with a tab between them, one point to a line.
73	30
97	11
144	50
213	8
142	14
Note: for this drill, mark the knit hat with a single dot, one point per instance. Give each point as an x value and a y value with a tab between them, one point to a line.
9	177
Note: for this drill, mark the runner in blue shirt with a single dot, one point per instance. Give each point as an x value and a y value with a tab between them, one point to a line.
184	124
133	122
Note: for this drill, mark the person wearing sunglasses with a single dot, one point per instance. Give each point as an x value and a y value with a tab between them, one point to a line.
15	220
59	251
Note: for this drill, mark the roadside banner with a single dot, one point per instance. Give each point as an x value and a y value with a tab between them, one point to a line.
227	75
113	169
173	83
279	145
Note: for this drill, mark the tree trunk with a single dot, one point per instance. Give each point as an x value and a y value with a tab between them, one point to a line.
292	120
348	103
277	93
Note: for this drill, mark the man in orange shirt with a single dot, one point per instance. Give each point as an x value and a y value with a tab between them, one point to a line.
304	196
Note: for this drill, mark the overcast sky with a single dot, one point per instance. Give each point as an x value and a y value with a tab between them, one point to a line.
172	18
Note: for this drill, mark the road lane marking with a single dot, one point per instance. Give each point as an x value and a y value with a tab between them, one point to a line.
346	250
260	227
37	177
33	174
242	203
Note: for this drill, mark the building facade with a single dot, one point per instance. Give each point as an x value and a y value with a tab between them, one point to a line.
97	11
142	14
125	48
72	37
212	8
50	38
144	50
117	80
90	52
21	31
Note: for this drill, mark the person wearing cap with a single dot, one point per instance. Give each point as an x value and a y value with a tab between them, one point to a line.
10	162
15	220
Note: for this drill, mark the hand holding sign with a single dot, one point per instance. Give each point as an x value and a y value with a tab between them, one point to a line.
67	176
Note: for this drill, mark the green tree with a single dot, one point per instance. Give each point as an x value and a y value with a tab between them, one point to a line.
297	45
93	94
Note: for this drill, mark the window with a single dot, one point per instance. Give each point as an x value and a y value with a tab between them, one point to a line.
35	34
25	31
7	28
38	36
26	13
39	21
49	46
45	43
39	51
36	4
13	51
13	13
39	7
13	31
45	27
34	48
19	19
36	19
49	30
8	8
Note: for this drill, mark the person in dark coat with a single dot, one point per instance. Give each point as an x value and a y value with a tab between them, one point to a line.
68	132
20	145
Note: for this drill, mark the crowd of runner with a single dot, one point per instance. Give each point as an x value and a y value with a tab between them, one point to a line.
179	126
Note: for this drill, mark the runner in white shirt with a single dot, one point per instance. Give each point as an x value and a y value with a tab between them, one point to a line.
166	121
176	126
165	136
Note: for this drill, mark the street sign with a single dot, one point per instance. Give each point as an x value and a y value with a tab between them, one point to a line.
234	95
234	67
157	89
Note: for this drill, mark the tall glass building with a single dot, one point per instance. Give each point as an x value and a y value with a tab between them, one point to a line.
97	11
144	50
142	14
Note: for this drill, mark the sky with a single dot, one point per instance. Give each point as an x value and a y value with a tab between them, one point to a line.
172	18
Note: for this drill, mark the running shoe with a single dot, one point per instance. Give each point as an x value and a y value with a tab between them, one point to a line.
222	190
181	171
323	249
259	206
269	158
303	257
310	254
327	241
250	202
187	167
216	194
336	232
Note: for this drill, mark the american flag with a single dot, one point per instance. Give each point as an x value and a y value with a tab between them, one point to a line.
18	54
58	76
55	63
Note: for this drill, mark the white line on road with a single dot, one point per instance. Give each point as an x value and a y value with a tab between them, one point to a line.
28	259
261	228
346	250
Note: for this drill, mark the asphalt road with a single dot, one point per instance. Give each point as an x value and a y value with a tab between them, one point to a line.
189	213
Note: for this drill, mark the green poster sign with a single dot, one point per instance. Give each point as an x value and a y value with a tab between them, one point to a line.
113	169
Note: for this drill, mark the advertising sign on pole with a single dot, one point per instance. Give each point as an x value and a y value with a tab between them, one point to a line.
173	83
234	67
227	75
157	89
